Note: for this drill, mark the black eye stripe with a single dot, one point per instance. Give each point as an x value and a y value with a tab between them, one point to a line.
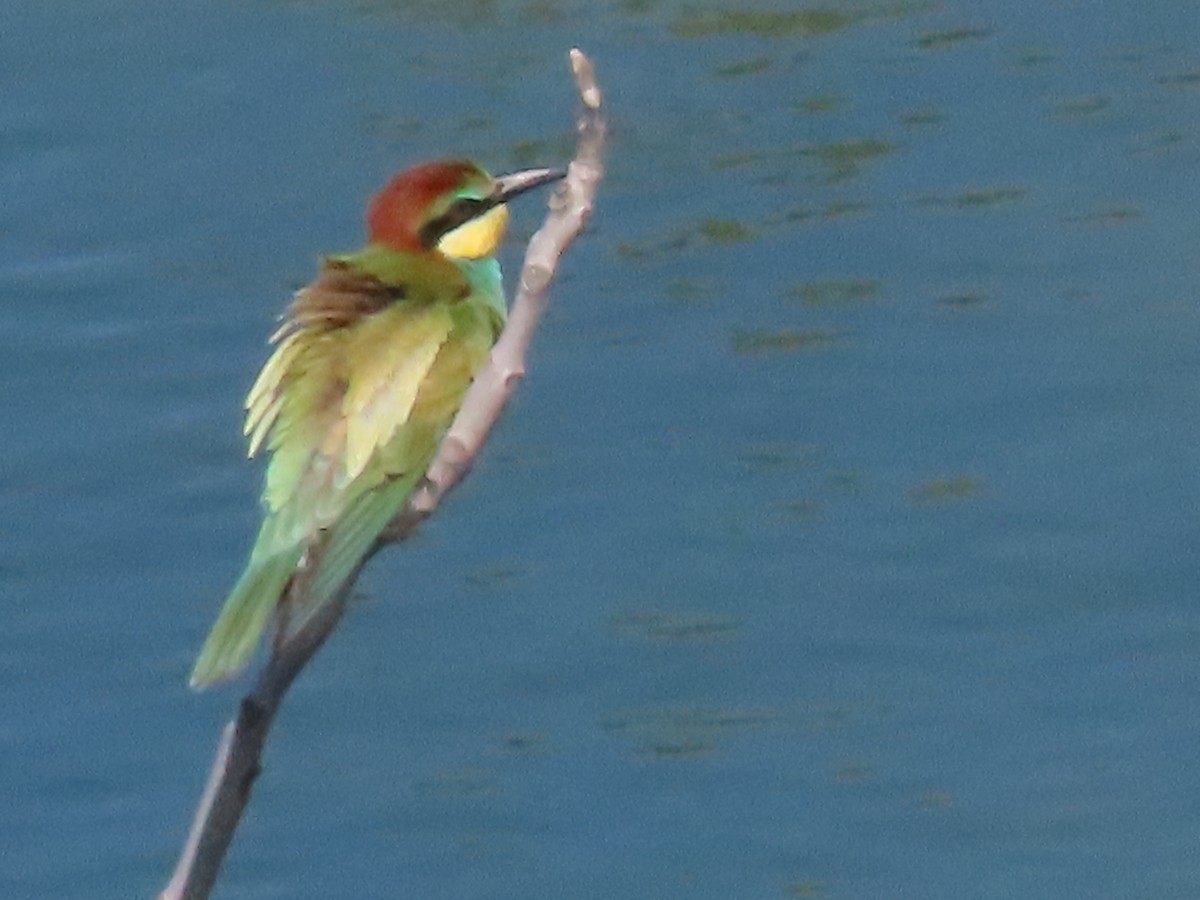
460	211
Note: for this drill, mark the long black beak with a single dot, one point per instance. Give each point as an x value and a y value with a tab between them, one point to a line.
520	182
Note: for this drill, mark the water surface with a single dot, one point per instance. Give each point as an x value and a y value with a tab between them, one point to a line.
841	542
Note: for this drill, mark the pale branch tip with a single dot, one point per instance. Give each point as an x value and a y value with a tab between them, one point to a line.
585	78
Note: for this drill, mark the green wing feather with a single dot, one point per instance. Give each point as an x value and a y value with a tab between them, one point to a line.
351	412
233	639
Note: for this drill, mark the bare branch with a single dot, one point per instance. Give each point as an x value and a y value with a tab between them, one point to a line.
239	754
187	870
570	207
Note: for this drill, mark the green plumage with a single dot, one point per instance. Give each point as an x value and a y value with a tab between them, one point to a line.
369	369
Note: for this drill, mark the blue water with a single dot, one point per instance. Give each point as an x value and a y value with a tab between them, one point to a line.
841	542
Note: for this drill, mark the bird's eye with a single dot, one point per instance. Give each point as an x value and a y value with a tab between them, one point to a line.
468	208
460	212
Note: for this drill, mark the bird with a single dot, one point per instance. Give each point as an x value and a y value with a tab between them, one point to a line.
368	369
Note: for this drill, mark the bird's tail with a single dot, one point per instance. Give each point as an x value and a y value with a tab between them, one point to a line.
256	596
345	546
243	618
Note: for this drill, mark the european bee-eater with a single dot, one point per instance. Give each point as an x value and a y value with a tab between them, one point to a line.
369	368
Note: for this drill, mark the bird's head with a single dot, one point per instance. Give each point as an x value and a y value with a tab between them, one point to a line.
454	207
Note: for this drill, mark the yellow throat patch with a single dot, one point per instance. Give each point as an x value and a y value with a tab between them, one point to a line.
477	238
